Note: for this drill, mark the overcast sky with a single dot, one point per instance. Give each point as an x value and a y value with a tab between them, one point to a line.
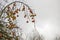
47	19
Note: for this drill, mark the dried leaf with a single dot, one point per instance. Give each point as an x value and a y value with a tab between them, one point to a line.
27	21
11	25
11	12
30	10
32	15
8	7
16	11
25	16
17	15
23	9
13	17
33	20
14	4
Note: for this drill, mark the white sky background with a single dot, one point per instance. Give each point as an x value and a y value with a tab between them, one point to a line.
48	17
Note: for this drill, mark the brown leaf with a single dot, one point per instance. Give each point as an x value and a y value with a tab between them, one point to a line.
32	15
17	15
13	17
33	20
8	7
27	21
30	10
14	4
25	16
11	25
11	12
16	11
23	9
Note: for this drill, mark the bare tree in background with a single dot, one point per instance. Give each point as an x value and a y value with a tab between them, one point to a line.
34	35
57	38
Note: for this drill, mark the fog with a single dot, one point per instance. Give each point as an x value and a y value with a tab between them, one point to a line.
47	19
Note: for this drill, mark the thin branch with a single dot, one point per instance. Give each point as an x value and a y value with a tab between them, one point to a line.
12	3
